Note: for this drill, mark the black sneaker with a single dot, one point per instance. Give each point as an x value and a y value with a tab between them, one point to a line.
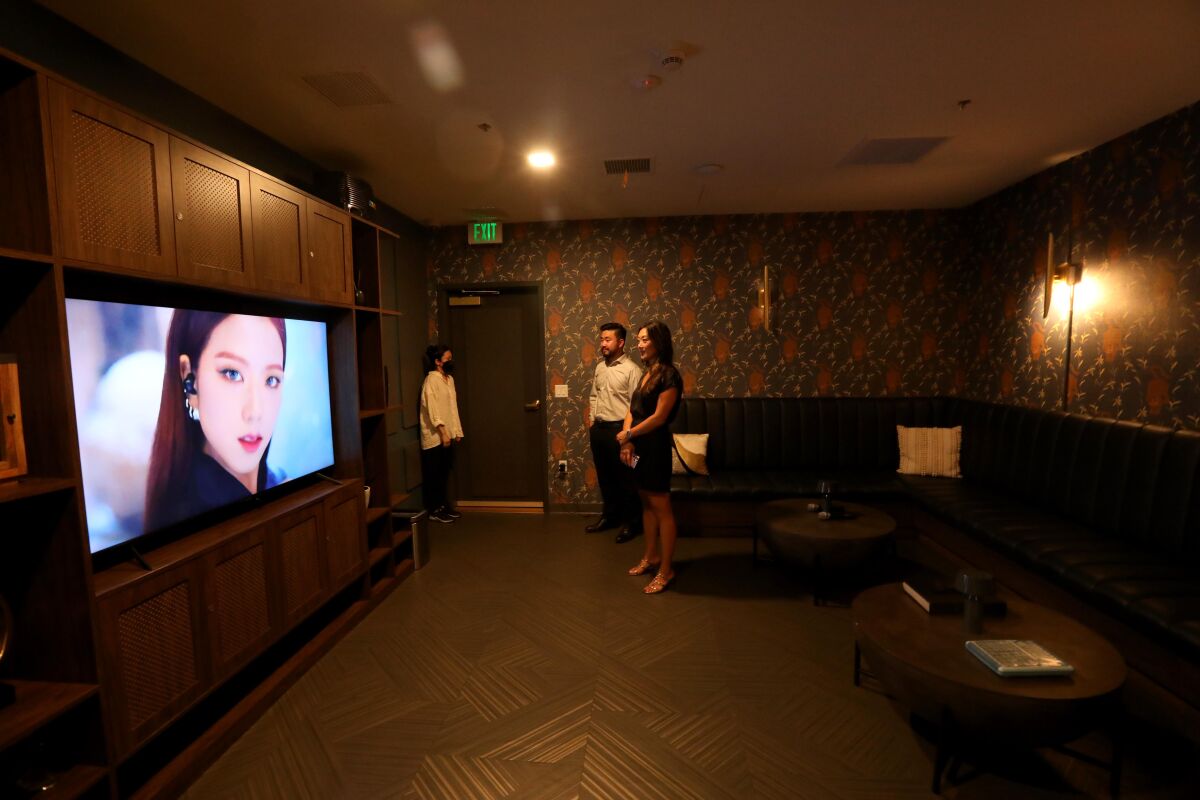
440	516
447	511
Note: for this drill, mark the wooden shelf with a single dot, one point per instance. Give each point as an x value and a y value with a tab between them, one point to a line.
25	255
374	514
367	308
404	568
368	413
37	703
75	782
400	499
32	486
378	554
382	588
401	536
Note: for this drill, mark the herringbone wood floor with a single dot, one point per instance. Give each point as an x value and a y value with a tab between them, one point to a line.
523	664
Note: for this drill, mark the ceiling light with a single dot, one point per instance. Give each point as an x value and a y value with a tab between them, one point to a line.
707	169
541	159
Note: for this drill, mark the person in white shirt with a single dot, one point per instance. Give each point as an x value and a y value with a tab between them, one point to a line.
440	431
615	381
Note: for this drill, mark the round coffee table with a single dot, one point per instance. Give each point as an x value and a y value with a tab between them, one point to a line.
800	538
921	660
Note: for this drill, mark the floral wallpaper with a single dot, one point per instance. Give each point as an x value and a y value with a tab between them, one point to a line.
864	304
1131	211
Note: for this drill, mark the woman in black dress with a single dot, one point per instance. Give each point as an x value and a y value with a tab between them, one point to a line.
651	411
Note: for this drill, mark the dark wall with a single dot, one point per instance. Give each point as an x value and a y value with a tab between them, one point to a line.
61	47
1132	208
868	304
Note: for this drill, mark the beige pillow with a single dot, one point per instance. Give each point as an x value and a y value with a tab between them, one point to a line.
694	449
929	451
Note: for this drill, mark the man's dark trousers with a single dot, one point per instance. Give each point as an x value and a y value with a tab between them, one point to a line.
621	502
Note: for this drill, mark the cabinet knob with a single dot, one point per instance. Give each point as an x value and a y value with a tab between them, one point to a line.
311	254
179	216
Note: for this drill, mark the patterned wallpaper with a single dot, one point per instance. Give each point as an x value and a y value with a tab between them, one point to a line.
1132	209
865	304
910	303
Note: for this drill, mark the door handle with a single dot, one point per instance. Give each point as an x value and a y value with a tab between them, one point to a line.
533	406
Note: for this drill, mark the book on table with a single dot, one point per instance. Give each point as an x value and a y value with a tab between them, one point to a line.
1017	657
936	594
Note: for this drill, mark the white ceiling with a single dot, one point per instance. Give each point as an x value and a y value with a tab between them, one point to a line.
778	91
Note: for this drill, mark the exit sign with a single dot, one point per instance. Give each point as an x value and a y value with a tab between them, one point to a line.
484	233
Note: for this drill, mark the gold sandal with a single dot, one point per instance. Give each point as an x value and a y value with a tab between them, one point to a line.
642	568
659	584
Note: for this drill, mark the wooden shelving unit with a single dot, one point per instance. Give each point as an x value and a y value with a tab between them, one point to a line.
233	613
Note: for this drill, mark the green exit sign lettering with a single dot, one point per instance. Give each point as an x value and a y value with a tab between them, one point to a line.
484	233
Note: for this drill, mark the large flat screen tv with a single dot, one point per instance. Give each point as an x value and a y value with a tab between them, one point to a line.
181	412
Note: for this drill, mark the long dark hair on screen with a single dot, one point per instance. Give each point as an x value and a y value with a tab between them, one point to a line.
177	439
660	336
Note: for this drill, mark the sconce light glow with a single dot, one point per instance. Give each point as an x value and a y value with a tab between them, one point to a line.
541	159
1088	294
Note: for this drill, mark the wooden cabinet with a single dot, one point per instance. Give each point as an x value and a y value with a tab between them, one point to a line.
241	619
153	652
297	544
113	174
280	222
212	216
330	260
345	547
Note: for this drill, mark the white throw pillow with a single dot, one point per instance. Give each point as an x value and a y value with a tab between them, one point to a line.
694	449
930	451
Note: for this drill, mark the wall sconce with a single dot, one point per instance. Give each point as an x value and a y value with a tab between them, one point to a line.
1070	274
764	297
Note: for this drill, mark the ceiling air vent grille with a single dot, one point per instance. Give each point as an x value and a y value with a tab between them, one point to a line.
619	166
892	151
348	89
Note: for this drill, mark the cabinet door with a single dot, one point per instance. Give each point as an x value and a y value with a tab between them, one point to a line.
280	237
330	254
113	174
153	653
297	549
212	216
241	622
345	536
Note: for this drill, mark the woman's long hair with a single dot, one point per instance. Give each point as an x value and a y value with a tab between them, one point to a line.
660	336
177	439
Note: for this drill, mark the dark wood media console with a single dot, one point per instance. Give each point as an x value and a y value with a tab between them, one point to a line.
129	681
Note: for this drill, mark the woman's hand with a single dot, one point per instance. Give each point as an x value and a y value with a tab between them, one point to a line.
444	436
623	436
457	439
627	453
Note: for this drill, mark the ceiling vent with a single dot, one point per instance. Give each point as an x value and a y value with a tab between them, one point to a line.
892	151
620	166
348	89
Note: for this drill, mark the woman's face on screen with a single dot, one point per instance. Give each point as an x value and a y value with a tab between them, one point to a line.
239	385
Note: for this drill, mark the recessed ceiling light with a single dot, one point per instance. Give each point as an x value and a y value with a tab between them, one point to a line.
707	169
540	159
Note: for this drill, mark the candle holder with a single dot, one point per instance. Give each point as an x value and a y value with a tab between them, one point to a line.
975	585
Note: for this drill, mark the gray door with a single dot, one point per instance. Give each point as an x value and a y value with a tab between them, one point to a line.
499	365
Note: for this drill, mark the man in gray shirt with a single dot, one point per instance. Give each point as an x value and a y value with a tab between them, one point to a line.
615	381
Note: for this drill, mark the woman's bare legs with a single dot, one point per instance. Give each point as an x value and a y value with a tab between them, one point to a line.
650	557
658	508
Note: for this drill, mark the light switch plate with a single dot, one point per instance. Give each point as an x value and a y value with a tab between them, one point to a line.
560	390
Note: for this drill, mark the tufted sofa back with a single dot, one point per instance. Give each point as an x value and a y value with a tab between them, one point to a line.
1122	479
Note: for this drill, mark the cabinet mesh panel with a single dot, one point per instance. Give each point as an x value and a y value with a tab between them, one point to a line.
157	660
278	232
117	193
301	575
343	538
213	217
241	586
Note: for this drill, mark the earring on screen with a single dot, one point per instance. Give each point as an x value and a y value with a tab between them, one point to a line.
192	412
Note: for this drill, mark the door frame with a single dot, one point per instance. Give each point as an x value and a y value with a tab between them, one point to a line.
444	290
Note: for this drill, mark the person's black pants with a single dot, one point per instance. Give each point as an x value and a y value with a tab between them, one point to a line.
435	469
620	495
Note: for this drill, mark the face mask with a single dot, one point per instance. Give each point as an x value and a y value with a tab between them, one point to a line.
448	367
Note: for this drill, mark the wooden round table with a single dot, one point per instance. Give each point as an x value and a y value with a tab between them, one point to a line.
921	660
824	547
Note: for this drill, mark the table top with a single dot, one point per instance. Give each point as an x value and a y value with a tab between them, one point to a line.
934	644
793	517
